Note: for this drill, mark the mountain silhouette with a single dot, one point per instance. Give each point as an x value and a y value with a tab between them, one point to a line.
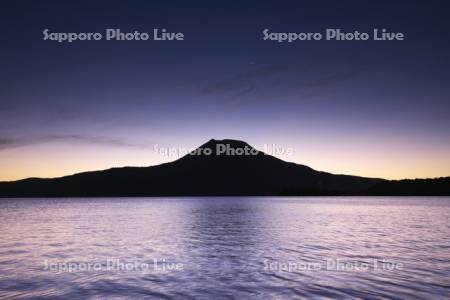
217	168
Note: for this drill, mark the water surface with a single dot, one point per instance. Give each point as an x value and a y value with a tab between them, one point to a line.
225	248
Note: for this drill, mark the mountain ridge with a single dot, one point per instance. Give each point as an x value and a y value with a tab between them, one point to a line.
208	171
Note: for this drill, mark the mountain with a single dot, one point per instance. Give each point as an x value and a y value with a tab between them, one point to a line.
208	171
412	187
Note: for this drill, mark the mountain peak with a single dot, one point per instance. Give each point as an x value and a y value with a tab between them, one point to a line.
216	147
223	150
230	142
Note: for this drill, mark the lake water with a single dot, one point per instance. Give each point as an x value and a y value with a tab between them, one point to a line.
226	248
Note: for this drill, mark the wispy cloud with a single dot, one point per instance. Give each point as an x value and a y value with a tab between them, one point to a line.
8	143
240	79
302	77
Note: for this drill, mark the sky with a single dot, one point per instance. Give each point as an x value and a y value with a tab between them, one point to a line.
369	108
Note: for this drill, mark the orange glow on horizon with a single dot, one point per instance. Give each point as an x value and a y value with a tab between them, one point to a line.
49	161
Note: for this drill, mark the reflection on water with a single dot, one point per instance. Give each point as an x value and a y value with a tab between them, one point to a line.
213	248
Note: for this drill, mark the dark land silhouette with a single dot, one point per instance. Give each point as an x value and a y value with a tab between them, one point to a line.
209	173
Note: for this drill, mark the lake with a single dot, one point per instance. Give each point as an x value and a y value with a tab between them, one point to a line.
225	247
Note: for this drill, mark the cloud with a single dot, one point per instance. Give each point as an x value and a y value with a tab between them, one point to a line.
242	92
240	79
305	77
333	77
8	143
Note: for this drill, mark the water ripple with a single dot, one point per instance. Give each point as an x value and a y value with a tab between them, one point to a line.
225	248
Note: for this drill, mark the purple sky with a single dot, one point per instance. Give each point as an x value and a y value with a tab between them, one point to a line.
372	108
